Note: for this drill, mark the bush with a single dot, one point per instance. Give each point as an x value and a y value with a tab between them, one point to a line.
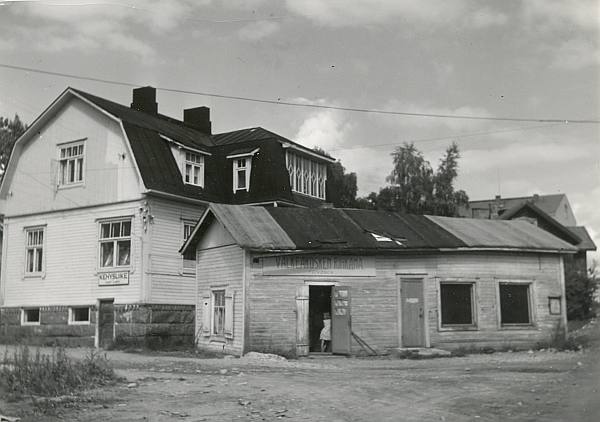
580	290
54	374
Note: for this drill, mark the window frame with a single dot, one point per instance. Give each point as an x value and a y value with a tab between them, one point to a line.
71	319
115	241
61	184
191	224
474	325
530	304
24	319
307	176
237	169
42	246
213	307
193	165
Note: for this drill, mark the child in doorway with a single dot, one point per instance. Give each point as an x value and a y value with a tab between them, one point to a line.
325	335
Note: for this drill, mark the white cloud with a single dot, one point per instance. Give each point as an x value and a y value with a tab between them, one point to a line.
485	17
553	14
258	30
326	129
576	53
339	13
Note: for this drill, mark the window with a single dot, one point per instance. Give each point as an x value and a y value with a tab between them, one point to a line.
306	176
70	164
115	243
515	304
189	258
194	169
79	315
218	312
34	249
241	174
456	301
30	316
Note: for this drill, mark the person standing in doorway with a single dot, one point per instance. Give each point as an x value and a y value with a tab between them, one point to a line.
325	335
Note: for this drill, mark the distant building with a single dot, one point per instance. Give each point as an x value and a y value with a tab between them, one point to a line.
97	200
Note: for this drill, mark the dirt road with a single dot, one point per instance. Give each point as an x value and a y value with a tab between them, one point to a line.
539	386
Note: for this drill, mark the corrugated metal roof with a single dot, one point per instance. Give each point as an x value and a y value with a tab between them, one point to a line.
587	244
501	234
252	227
346	230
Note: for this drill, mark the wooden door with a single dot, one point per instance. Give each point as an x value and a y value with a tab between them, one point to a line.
341	329
106	323
302	335
413	313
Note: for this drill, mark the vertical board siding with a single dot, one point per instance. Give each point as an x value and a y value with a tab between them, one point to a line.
375	300
71	252
169	284
109	170
221	267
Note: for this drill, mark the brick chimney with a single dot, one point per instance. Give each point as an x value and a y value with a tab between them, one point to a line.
199	118
144	99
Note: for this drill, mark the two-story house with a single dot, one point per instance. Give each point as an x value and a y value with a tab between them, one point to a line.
97	200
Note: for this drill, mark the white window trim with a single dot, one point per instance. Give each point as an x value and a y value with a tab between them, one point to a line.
214	335
531	303
236	169
35	274
100	268
184	270
302	178
474	326
59	183
23	312
201	166
71	321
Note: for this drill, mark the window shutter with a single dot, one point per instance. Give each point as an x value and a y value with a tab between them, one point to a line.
206	308
229	295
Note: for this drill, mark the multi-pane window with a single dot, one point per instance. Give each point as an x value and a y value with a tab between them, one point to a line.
306	176
515	303
190	254
30	316
115	243
218	312
456	300
194	169
71	164
241	174
79	315
34	250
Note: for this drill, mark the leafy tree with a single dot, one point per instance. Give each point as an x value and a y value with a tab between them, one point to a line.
416	188
10	130
341	186
580	289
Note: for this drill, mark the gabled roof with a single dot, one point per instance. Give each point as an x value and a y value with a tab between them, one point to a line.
530	208
548	203
364	231
586	244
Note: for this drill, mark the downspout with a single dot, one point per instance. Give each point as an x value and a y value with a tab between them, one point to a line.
564	293
244	261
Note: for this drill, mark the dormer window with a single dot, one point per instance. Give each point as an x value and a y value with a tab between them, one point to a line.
241	174
70	163
307	176
193	169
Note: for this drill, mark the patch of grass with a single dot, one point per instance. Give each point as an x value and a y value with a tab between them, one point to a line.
52	375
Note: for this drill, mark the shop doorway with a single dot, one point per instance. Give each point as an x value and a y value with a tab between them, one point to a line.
319	304
106	323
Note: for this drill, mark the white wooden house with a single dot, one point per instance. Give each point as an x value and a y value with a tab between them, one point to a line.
98	199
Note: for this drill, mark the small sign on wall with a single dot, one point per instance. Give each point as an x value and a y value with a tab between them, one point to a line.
118	278
554	305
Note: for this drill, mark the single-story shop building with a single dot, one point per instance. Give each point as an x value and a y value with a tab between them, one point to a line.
267	276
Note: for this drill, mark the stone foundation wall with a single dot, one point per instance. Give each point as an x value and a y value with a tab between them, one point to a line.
136	325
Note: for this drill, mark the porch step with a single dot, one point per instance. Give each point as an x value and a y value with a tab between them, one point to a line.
424	351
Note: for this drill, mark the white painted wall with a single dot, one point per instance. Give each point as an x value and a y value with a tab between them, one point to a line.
71	258
109	174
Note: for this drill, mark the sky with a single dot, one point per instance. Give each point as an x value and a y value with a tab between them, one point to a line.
534	59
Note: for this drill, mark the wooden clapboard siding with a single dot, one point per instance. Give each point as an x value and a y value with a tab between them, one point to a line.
220	266
71	259
169	283
109	172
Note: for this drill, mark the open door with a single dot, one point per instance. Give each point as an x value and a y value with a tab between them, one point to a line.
302	340
341	329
